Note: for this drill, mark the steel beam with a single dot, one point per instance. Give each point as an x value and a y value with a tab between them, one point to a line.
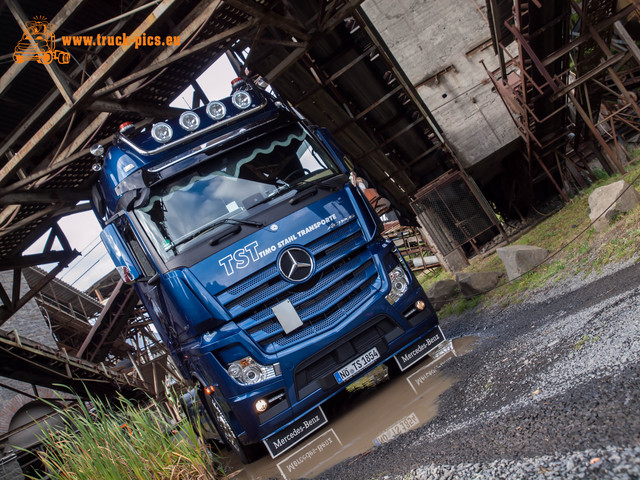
628	40
53	210
261	13
45	196
603	144
231	33
583	38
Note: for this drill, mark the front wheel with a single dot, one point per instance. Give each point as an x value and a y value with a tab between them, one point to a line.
246	453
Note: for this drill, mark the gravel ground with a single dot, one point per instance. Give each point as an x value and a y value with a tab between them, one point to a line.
551	390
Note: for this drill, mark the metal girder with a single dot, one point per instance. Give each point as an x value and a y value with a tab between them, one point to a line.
257	11
583	38
185	30
145	109
45	196
286	63
339	15
45	104
61	257
25	360
84	92
628	40
55	210
588	76
110	322
178	56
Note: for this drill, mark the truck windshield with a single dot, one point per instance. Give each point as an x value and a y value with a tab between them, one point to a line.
231	187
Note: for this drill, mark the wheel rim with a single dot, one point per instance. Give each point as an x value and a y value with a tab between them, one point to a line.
225	426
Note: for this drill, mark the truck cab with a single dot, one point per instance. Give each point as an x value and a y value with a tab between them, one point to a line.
260	263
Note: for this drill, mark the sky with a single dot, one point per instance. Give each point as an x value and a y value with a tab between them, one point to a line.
82	229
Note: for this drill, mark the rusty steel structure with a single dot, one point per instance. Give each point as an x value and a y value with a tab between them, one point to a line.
117	336
570	85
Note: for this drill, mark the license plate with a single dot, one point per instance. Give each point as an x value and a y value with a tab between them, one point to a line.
357	365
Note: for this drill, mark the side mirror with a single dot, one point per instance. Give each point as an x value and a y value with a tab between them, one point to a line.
125	263
136	198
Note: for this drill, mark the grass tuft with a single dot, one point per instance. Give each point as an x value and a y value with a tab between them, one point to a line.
121	440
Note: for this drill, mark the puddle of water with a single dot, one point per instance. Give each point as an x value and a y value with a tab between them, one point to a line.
397	406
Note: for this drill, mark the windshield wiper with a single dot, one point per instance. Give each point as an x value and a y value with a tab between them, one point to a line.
207	228
300	187
309	189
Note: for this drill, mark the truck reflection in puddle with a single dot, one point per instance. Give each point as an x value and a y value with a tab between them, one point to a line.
371	419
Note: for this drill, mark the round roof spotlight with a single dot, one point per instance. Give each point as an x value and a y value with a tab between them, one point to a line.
190	121
241	99
216	110
161	132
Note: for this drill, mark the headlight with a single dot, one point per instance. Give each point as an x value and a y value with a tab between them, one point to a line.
241	99
247	371
161	132
190	121
216	110
399	284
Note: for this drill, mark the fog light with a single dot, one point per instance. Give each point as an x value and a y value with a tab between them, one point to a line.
420	305
261	405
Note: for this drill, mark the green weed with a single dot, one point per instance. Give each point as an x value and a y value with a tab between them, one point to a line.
121	440
585	339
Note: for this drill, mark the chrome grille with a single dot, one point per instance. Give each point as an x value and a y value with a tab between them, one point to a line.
345	276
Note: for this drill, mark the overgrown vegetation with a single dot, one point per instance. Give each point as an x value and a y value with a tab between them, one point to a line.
579	255
121	440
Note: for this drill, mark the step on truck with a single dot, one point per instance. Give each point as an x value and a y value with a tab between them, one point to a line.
260	263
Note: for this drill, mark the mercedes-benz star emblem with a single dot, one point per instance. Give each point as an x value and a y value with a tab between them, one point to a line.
296	264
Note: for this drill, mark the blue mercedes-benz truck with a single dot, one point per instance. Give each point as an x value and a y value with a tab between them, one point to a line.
260	263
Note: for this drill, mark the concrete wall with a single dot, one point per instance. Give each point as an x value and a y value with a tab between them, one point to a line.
449	36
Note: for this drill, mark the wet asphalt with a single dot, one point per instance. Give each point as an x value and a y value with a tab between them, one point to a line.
550	390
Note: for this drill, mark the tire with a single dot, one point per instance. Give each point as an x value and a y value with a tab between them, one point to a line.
246	453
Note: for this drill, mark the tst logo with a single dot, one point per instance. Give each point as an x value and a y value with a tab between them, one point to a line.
38	44
241	258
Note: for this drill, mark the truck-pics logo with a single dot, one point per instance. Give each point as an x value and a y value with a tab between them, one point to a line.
38	43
